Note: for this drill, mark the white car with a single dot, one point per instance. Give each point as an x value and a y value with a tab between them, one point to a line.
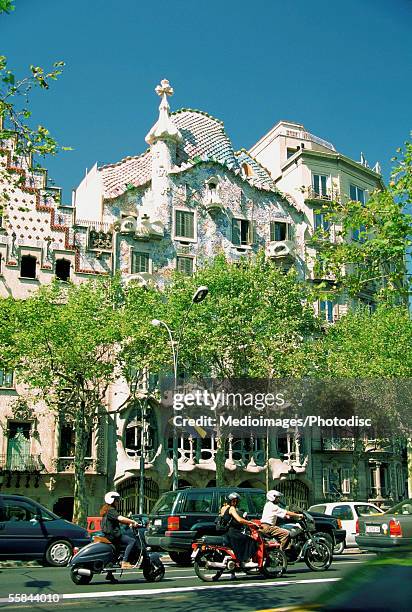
348	513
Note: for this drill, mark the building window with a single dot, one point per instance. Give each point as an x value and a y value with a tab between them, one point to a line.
185	265
357	194
68	441
321	222
28	266
6	378
62	269
184	224
290	152
18	445
242	232
336	481
140	262
319	184
326	310
279	230
247	170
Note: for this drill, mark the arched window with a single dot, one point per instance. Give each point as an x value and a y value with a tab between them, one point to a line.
62	269
28	266
247	170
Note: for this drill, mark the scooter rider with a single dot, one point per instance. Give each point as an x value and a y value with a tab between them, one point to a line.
111	520
271	512
242	545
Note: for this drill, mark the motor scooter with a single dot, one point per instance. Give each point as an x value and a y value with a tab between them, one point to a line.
213	556
102	557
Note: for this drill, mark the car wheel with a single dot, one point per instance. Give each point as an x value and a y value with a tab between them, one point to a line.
181	558
58	553
339	548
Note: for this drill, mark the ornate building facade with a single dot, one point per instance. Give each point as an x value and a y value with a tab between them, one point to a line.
187	197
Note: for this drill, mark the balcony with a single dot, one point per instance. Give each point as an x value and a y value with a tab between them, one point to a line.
315	197
66	465
28	464
280	249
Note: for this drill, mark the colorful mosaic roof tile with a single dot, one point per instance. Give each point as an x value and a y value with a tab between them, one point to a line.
134	171
260	174
203	140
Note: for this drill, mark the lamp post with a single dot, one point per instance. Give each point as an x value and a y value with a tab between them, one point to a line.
199	295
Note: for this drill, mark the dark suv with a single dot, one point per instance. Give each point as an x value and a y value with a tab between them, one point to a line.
180	517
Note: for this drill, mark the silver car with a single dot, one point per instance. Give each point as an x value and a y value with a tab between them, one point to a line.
387	531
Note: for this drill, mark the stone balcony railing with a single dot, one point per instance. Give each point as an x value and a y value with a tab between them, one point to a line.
66	465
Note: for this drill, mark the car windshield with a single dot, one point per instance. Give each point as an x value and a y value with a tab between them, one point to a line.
404	507
165	503
320	509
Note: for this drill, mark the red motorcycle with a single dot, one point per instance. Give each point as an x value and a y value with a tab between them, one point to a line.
213	556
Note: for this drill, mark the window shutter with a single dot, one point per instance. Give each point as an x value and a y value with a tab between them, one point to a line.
325	480
189	225
140	262
185	265
236	231
252	233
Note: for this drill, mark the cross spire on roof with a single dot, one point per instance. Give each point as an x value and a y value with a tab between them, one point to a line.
164	128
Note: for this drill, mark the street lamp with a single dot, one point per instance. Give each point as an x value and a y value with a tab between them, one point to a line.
199	295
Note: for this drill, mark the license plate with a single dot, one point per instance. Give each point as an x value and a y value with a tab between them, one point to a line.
157	522
194	553
372	529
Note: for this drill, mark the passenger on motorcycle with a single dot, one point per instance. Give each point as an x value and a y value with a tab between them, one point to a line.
242	545
111	520
271	512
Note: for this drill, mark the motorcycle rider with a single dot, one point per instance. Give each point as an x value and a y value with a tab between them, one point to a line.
111	520
271	512
242	545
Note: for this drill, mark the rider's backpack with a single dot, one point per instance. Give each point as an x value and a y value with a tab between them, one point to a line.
223	522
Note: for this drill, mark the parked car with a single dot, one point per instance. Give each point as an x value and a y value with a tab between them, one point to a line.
348	513
387	531
180	517
94	523
29	531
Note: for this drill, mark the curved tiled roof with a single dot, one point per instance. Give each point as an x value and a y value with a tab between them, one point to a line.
203	139
260	174
134	171
203	136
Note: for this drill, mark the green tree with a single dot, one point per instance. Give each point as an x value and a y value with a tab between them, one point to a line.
368	255
373	350
62	345
256	322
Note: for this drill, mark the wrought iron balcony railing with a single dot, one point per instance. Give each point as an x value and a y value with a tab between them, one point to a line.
21	463
315	194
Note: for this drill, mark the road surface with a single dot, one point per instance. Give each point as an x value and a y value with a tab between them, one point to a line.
179	590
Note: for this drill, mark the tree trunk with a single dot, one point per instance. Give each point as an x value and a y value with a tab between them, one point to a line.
220	461
409	460
356	456
80	493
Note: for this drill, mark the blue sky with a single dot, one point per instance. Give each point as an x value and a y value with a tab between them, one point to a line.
343	69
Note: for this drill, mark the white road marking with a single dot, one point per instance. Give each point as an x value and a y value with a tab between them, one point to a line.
156	592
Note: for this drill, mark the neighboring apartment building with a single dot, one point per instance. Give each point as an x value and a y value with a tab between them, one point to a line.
188	196
313	172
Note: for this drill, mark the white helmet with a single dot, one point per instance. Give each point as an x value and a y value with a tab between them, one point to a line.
111	496
272	495
233	496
